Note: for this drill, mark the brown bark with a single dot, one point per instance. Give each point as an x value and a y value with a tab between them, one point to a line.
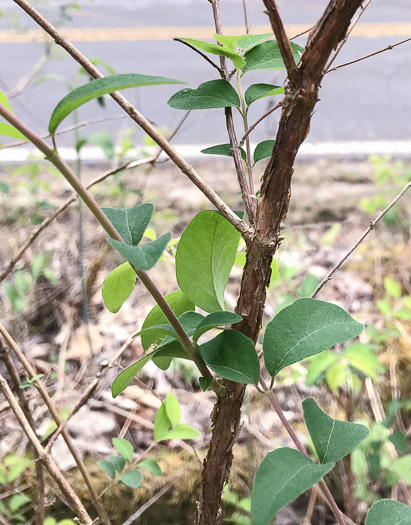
299	101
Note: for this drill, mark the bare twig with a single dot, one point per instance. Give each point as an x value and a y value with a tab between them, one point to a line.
391	46
39	485
302	33
47	460
329	275
200	53
23	82
54	413
184	166
362	8
283	42
253	126
150	502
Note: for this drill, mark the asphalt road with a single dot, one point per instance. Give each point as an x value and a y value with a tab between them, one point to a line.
368	101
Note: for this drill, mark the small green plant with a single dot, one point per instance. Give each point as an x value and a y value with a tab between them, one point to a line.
14	507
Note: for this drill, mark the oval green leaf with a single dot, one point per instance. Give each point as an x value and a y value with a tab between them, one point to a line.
132	479
183	431
108	468
118	286
268	56
131	223
242	42
178	302
123	447
7	129
223	149
215	49
305	328
151	465
143	257
257	91
282	476
388	512
211	94
205	255
263	150
332	439
98	88
214	320
173	409
232	356
118	463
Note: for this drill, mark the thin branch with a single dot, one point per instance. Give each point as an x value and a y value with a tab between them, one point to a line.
302	33
23	82
372	225
200	53
362	8
55	415
337	512
184	166
253	126
283	42
150	502
391	46
47	460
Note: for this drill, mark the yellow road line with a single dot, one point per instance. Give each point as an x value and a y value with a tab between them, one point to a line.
128	34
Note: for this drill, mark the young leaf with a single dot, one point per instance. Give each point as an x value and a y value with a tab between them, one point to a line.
17	501
305	328
108	468
223	149
319	364
173	410
182	431
361	357
145	256
178	302
332	439
151	465
233	356
132	479
214	320
131	223
123	447
118	286
242	42
118	463
257	91
388	512
7	129
98	88
211	94
205	383
162	425
205	255
263	150
402	468
214	49
126	376
268	56
282	476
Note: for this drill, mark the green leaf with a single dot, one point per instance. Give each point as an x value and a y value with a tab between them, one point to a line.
151	465
392	287
223	149
173	410
144	256
163	423
215	49
318	364
118	463
108	468
332	439
214	320
399	440
123	447
303	329
131	223
98	88
268	56
388	512
205	383
178	302
182	431
122	381
189	321
402	468
11	131
233	356
4	101
282	476
17	501
336	375
118	286
263	150
257	91
309	284
132	479
205	255
211	94
363	358
242	42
